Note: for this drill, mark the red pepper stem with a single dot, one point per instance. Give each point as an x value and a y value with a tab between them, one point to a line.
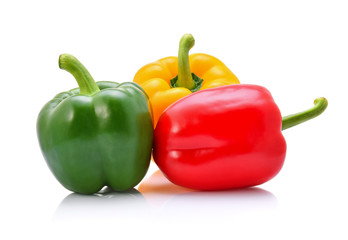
320	104
84	79
184	73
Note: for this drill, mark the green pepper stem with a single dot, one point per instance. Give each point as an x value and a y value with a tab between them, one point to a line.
320	104
83	77
184	72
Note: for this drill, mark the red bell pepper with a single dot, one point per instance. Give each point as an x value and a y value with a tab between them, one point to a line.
224	138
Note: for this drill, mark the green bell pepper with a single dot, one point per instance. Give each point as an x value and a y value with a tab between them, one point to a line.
97	135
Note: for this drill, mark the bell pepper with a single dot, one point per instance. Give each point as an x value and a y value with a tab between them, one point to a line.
169	79
97	135
224	138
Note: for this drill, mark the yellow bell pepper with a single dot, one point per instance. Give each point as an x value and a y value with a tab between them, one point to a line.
169	79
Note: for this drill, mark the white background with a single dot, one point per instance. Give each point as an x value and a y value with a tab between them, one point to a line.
297	49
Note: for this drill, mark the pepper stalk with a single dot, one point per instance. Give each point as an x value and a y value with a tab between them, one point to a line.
84	79
185	77
320	104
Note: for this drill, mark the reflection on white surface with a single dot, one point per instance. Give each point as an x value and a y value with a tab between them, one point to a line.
170	199
157	198
103	205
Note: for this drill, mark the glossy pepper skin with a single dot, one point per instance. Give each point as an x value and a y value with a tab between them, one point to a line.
224	138
96	135
169	79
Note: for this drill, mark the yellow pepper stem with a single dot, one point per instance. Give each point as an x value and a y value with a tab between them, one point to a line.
184	73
